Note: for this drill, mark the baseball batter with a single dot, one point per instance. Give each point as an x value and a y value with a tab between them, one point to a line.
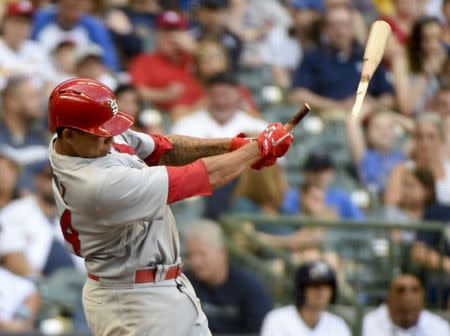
112	188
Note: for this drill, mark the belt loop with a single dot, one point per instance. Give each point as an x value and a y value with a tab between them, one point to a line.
161	271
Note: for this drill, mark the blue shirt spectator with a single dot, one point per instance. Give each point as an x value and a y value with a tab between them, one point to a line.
328	73
67	21
335	198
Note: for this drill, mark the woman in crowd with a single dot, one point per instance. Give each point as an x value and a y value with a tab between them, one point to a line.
428	153
416	74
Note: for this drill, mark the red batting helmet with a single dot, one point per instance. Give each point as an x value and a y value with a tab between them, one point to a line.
87	105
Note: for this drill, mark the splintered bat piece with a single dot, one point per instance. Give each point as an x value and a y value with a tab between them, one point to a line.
289	126
375	47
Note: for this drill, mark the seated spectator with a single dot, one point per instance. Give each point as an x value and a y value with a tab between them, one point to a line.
403	312
36	217
9	174
222	117
129	101
211	59
233	299
212	25
18	54
314	203
442	107
446	27
373	148
328	76
19	303
428	153
418	192
315	287
21	136
89	65
416	75
319	170
164	77
68	21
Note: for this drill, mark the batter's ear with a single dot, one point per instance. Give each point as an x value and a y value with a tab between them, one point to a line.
67	135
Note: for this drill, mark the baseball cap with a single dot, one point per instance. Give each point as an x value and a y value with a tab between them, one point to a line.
20	8
171	20
318	161
215	4
316	5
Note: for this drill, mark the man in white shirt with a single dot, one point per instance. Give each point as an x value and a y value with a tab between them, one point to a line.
403	314
223	116
315	289
18	54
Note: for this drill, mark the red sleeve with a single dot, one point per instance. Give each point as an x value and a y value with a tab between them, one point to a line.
187	181
162	145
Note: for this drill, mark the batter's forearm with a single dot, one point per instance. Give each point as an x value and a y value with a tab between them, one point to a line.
222	169
187	149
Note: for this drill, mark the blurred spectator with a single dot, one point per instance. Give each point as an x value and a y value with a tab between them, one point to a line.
32	223
63	58
212	25
164	77
314	202
18	55
9	174
69	21
212	58
373	148
222	117
358	21
129	101
406	12
416	78
315	287
89	65
328	76
442	107
132	27
233	299
319	170
428	153
21	136
19	303
418	192
404	313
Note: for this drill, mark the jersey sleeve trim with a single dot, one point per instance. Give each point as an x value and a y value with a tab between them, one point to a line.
187	181
162	145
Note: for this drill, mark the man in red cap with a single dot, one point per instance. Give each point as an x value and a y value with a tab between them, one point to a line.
112	187
164	77
18	54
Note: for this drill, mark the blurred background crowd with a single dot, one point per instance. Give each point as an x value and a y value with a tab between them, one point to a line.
216	68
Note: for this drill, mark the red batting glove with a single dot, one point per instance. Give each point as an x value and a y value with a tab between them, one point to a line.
274	141
238	141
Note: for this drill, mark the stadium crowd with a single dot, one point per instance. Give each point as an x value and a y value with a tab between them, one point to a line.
214	69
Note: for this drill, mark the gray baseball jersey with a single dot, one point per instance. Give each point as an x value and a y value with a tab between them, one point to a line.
113	209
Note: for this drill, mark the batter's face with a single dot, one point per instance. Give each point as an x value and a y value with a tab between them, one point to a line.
87	145
318	296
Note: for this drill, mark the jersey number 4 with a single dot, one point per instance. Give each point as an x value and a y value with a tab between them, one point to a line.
69	233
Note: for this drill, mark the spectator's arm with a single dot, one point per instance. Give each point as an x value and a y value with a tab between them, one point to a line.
16	263
356	138
393	190
429	258
160	95
317	102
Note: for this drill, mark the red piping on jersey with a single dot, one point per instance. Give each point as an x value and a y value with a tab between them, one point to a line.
162	145
187	181
124	148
